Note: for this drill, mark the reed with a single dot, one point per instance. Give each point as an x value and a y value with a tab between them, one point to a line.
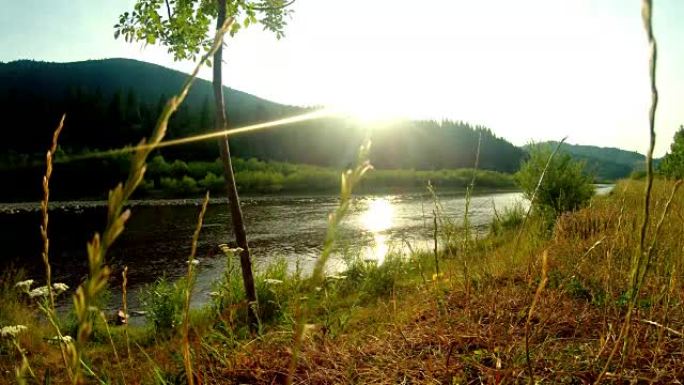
187	357
465	246
124	301
537	296
49	309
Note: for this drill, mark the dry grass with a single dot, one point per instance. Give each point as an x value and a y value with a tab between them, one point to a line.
449	340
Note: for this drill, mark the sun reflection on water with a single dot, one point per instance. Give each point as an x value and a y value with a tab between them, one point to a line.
378	218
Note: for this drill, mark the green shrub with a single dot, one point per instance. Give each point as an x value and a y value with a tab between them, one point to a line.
157	167
637	175
509	218
184	186
672	165
179	168
565	186
212	182
163	301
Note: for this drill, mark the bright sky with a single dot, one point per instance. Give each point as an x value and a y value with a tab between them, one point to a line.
528	69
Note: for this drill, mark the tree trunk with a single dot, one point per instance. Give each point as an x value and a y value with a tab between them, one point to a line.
233	199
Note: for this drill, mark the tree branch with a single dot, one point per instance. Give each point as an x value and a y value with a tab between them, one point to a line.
274	8
168	10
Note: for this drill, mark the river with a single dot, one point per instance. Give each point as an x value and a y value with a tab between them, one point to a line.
158	236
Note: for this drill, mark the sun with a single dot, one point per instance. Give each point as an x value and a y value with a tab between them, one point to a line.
372	109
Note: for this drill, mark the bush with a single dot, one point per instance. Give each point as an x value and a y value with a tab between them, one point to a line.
637	175
163	301
158	167
565	186
179	168
508	219
212	182
184	186
672	165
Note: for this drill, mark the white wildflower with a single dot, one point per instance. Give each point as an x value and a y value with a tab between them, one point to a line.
230	251
12	331
337	277
38	292
24	285
63	339
272	281
60	287
194	262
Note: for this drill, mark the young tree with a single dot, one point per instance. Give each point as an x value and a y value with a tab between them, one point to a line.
565	186
672	165
184	27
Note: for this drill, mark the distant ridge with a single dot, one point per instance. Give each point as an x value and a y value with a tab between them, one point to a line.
607	163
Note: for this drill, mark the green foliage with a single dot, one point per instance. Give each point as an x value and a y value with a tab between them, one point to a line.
256	176
637	175
607	163
565	187
163	302
274	287
508	219
185	26
672	165
212	182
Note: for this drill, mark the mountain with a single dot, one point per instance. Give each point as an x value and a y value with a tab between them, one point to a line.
607	163
114	102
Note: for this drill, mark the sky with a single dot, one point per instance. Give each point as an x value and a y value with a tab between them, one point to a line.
530	70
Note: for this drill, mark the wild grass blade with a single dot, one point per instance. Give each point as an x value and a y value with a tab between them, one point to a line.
187	358
44	208
124	300
349	180
86	294
542	284
638	261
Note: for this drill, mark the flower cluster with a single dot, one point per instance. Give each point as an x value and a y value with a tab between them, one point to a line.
63	339
42	291
12	331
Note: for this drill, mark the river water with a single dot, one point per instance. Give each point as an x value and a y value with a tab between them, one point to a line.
158	236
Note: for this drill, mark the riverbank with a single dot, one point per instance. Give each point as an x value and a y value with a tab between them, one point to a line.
529	300
178	179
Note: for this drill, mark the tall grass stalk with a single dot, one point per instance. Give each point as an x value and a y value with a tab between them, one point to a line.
111	343
88	292
349	180
124	300
435	229
44	212
636	276
466	222
528	323
187	359
49	309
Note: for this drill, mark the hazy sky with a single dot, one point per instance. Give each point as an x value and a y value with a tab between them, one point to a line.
528	69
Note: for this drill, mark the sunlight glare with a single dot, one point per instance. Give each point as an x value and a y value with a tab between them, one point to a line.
379	215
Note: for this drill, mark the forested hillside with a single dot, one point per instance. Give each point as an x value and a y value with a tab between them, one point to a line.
114	102
605	163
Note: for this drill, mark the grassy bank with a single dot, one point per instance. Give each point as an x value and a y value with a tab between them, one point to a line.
545	300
